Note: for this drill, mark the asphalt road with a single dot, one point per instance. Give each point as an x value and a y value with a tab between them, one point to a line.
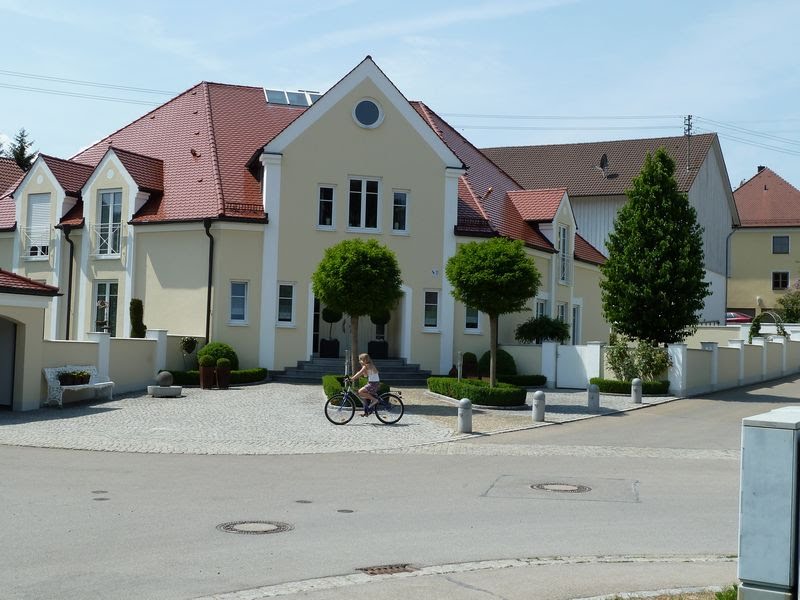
664	488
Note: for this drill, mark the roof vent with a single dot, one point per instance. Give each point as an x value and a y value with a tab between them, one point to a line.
195	153
761	168
603	165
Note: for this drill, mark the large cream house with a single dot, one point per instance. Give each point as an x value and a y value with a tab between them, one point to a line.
764	261
215	209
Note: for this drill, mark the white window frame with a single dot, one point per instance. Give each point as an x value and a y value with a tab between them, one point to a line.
292	298
106	232
472	330
245	320
425	304
564	258
400	230
561	311
575	334
36	236
540	308
788	244
332	225
361	226
96	298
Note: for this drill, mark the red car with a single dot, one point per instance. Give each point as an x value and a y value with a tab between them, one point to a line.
737	317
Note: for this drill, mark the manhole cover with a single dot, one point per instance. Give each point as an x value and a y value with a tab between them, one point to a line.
254	527
387	569
569	488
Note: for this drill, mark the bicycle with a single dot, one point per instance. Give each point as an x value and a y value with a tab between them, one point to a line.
341	407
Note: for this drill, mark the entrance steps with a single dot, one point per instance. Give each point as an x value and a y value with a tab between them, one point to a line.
394	371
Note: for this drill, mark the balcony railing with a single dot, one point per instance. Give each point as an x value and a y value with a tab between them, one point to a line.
36	243
106	239
565	268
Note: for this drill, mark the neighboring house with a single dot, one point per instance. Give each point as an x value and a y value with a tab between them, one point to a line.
763	259
9	173
216	207
596	175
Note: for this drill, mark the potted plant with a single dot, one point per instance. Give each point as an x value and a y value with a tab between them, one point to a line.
379	348
207	368
329	348
66	378
188	346
223	373
81	377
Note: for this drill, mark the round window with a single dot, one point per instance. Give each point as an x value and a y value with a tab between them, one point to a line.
368	113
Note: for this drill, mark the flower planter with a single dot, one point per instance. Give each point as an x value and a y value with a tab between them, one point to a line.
329	348
223	378
378	349
207	377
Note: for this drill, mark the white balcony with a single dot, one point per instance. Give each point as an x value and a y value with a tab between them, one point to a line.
36	243
105	239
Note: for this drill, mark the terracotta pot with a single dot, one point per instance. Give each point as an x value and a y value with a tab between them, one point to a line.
207	376
223	378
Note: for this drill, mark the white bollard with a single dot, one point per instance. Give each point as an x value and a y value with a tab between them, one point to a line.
538	406
465	416
593	400
636	391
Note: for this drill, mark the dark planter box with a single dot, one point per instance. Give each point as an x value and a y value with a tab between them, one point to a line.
329	348
378	349
223	378
207	377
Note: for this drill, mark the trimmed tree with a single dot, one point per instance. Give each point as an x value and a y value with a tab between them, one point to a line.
358	278
653	287
496	277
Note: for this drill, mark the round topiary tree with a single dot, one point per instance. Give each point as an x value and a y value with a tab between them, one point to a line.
217	350
505	363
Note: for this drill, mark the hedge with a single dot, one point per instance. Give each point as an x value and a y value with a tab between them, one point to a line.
615	386
237	377
479	392
524	380
333	384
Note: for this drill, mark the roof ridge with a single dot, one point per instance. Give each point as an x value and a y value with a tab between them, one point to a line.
65	160
622	141
478	201
139	154
214	156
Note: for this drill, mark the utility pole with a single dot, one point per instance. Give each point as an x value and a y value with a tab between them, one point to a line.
687	131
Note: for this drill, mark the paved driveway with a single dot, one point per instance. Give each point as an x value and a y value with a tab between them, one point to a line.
272	418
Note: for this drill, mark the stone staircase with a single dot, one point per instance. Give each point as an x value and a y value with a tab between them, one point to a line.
394	372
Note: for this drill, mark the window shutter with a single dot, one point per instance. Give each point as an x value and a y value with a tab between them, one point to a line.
39	211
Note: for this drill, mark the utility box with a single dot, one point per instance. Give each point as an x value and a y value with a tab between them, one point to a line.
768	505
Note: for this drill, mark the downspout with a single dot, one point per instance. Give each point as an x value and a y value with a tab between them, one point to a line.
728	265
207	226
67	229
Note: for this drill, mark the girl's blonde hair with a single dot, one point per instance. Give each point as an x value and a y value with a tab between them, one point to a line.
365	356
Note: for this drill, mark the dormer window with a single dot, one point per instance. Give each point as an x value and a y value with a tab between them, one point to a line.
107	231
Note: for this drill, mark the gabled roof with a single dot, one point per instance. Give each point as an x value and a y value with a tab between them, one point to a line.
767	200
486	196
71	175
539	206
10	173
204	138
16	284
147	172
577	166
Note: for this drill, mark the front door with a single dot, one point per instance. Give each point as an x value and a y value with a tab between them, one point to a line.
8	344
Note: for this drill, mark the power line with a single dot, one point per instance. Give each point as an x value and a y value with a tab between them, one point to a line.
86	83
534	128
751	132
77	95
755	144
561	117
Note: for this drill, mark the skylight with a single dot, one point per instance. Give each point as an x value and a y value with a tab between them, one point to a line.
298	98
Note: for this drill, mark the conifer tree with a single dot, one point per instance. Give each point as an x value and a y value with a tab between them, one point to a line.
20	150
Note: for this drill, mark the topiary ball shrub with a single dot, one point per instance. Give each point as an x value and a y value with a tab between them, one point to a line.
217	350
469	365
207	361
505	363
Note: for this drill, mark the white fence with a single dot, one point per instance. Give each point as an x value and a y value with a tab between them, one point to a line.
725	360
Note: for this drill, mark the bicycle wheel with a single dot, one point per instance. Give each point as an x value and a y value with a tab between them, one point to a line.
339	409
389	409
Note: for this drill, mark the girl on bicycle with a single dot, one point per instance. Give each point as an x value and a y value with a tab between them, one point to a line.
368	393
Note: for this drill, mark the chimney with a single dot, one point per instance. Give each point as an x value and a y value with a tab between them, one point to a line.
761	168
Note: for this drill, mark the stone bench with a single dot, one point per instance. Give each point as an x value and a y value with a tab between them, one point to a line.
88	391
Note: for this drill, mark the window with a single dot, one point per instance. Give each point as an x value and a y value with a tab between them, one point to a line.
541	308
109	223
326	207
380	332
576	325
561	312
564	258
36	236
780	280
431	318
472	320
780	244
105	316
286	304
367	113
399	211
238	302
363	208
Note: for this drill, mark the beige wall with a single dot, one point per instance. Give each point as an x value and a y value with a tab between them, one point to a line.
28	356
328	152
594	327
752	263
7	251
131	362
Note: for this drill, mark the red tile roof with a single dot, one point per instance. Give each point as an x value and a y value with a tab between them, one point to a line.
576	166
10	173
71	175
204	137
8	214
486	195
16	284
539	206
147	172
767	200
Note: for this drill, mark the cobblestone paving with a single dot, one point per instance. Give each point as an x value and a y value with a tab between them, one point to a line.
276	418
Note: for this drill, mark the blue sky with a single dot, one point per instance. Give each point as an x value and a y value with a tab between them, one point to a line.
492	68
